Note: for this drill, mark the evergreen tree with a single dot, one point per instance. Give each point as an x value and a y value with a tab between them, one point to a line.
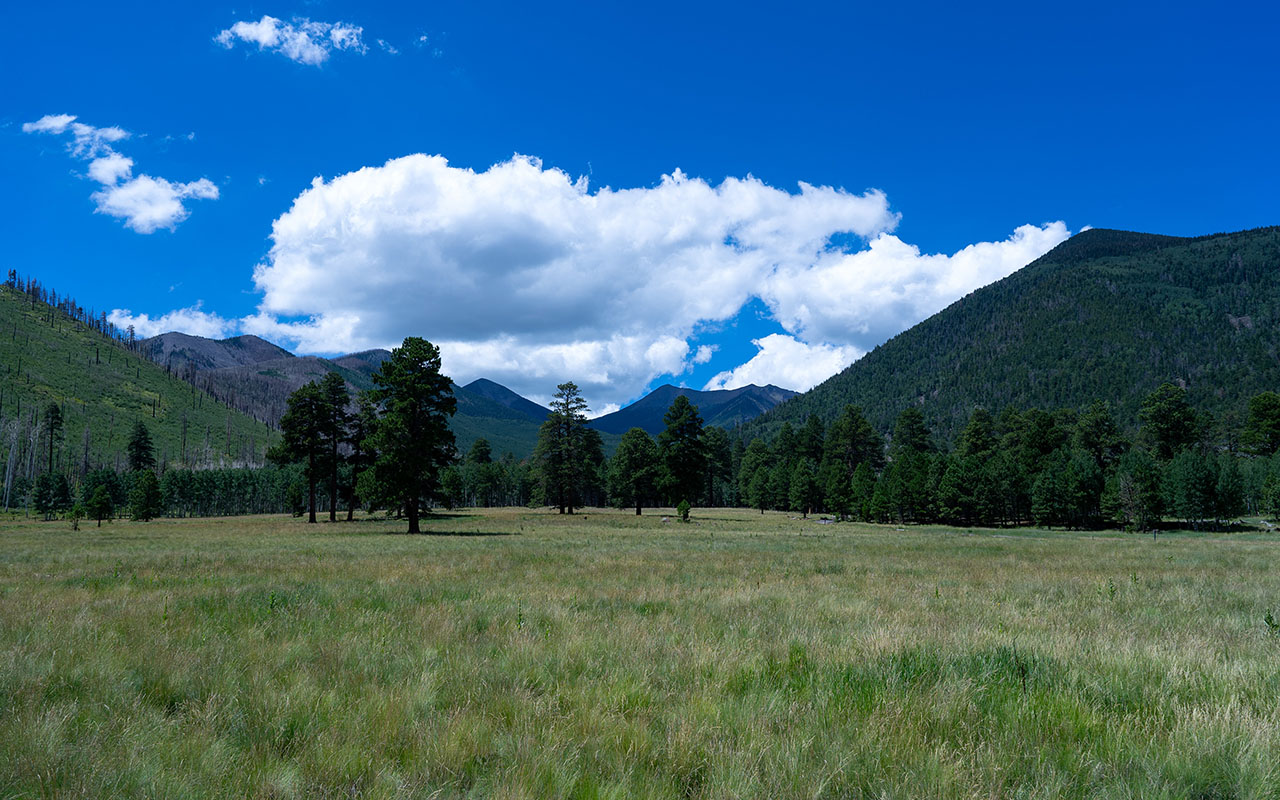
100	506
758	491
363	424
1262	429
683	451
719	467
1190	487
144	497
302	438
413	439
333	431
1229	494
1132	497
53	426
51	495
142	453
1169	424
1049	500
803	491
1098	435
561	456
635	469
863	489
910	434
755	458
978	437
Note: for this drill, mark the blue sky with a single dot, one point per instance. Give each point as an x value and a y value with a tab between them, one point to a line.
945	145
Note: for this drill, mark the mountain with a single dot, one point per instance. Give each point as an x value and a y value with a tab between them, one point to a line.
483	387
726	408
48	355
257	377
178	350
1106	315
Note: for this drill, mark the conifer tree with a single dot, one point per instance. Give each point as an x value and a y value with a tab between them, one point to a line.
413	438
562	451
683	451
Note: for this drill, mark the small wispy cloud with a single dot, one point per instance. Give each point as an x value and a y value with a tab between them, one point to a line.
145	203
302	40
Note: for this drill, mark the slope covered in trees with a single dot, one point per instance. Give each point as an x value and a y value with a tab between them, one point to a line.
51	355
1107	315
724	408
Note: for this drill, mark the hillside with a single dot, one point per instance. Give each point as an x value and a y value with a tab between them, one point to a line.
103	388
257	377
483	387
726	408
1106	315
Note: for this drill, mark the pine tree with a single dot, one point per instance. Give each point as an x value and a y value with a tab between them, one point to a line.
683	451
634	471
333	431
144	497
142	454
413	438
561	454
302	438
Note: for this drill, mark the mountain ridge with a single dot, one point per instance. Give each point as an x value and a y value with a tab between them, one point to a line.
1106	315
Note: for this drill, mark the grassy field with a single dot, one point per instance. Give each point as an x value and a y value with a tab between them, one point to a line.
525	655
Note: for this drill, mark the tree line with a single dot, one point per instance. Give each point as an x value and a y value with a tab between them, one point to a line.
390	448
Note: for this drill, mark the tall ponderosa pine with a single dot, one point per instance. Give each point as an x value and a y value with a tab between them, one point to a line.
363	424
561	454
302	438
53	424
333	429
413	439
634	470
683	451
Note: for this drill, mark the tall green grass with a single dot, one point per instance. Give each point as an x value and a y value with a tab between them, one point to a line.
604	655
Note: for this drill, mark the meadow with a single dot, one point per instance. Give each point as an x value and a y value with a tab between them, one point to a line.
519	654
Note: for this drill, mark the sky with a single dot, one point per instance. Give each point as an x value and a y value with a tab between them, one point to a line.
619	195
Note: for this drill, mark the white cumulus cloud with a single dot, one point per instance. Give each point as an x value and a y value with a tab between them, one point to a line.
529	277
302	40
145	203
787	362
192	320
526	276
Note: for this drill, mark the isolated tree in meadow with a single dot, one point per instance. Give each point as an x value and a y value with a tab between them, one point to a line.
635	468
1262	428
333	429
413	439
99	505
302	438
561	453
683	451
142	454
144	497
1169	423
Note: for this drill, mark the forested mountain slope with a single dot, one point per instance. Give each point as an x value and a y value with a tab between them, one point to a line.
725	407
102	388
1107	315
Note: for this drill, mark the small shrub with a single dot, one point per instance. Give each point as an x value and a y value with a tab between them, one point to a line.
683	510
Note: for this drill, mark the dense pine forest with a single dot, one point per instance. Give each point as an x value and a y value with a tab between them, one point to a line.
1107	315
